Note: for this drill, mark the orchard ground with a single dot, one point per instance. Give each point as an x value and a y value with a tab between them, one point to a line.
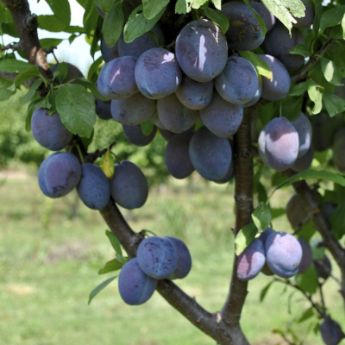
49	258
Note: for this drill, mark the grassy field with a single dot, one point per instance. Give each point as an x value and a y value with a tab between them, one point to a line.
49	259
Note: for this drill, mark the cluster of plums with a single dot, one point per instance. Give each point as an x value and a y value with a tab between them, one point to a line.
157	258
203	83
273	252
61	172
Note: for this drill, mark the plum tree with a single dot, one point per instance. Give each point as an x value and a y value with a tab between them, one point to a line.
174	116
201	50
239	82
283	254
194	95
157	257
129	186
279	42
279	144
247	34
221	117
58	174
48	130
177	157
116	78
133	110
93	187
135	287
211	156
251	260
278	86
136	136
157	73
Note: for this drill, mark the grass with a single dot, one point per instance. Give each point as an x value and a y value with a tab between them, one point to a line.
49	261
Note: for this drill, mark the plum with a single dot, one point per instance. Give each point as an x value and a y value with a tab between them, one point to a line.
136	136
331	332
184	259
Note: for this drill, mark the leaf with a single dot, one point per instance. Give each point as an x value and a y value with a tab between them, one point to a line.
107	164
137	24
333	104
183	6
328	69
314	174
264	291
146	127
112	265
315	95
262	216
196	4
217	17
151	8
61	10
332	17
113	23
307	314
99	288
14	66
217	4
115	243
260	65
308	280
76	107
245	237
337	221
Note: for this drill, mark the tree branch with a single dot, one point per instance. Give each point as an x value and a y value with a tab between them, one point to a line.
244	206
330	242
26	25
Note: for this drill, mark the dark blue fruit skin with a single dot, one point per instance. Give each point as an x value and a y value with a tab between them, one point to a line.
283	254
304	130
103	109
194	95
211	156
247	33
177	157
116	79
174	116
135	135
304	162
151	39
239	82
278	43
229	175
157	257
266	15
279	144
251	260
133	110
49	131
59	173
129	186
93	187
331	332
157	73
338	149
108	53
222	118
135	287
307	256
201	50
278	86
184	259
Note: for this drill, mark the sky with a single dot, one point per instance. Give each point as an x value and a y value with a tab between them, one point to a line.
76	53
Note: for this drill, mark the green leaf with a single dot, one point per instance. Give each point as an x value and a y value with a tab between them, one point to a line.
328	69
299	89
107	164
26	75
217	4
99	288
315	94
76	107
217	17
14	66
113	23
314	174
151	8
264	291
307	314
147	127
115	243
262	217
333	104
260	65
245	237
104	5
137	24
196	4
308	280
113	265
49	43
332	17
338	221
183	6
61	10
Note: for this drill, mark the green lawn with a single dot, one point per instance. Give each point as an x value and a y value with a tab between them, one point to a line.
49	262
